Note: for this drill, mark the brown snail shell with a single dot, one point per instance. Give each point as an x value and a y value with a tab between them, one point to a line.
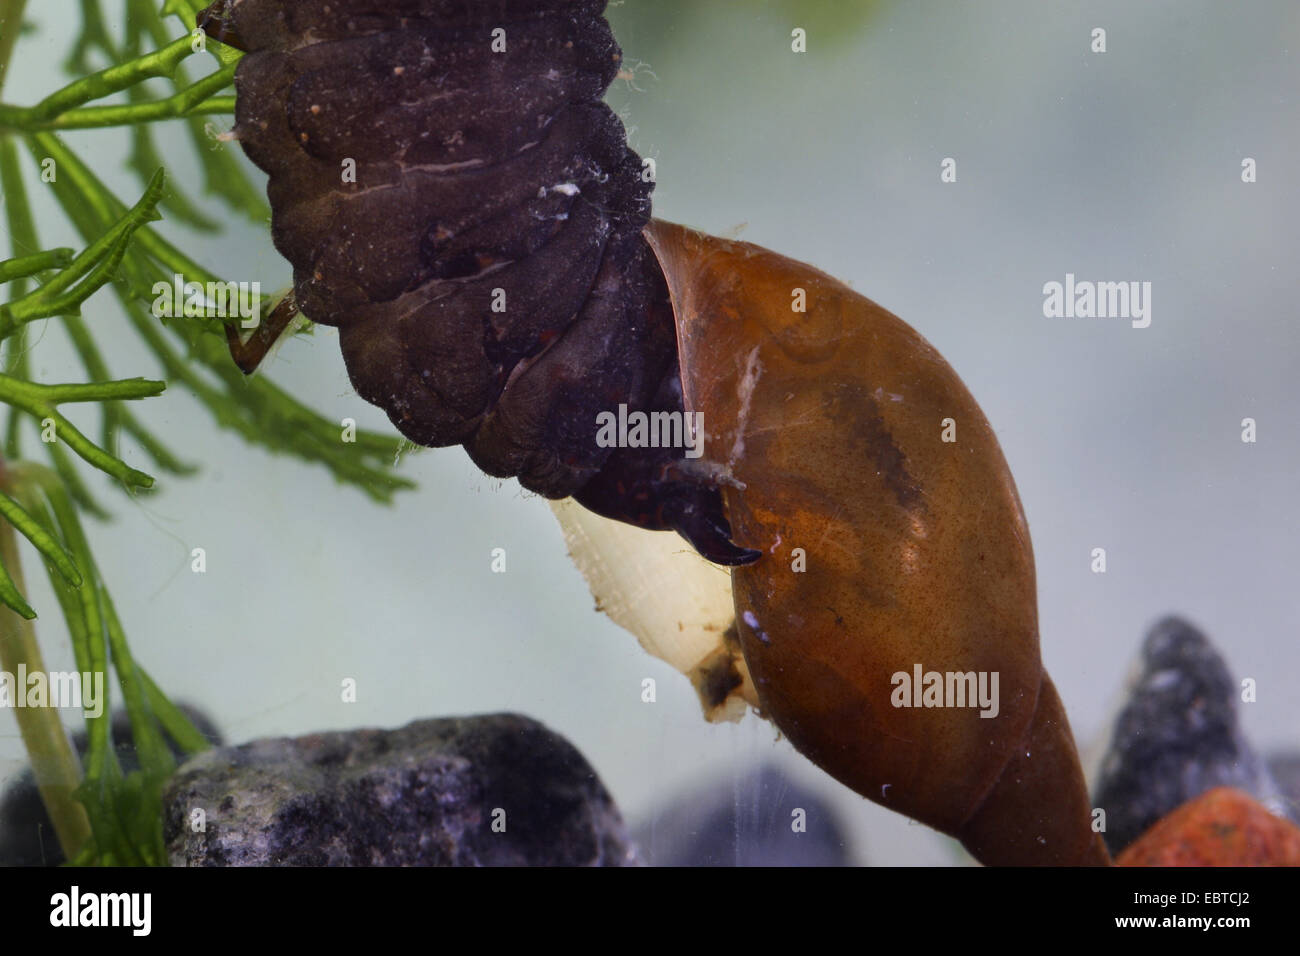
826	428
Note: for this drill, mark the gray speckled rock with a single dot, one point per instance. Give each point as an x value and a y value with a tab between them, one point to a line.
1177	736
426	794
1285	768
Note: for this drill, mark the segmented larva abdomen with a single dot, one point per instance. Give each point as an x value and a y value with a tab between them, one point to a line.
454	197
457	200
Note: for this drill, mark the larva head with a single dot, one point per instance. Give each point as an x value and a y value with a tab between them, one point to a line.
894	544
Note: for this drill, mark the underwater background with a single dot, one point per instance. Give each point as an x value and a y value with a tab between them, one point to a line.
1117	166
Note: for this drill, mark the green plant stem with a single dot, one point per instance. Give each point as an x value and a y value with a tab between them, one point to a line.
112	80
152	751
117	418
55	767
95	266
223	174
72	479
11	21
65	108
44	397
39	401
84	612
214	105
35	532
124	114
178	726
24	266
76	177
23	241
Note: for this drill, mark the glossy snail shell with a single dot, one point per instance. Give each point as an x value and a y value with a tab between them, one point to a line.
885	548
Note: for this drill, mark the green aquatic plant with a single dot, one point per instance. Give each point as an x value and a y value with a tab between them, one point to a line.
102	815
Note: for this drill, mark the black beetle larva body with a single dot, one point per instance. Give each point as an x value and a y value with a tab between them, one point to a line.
458	201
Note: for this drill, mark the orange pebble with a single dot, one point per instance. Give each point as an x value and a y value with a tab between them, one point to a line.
1221	827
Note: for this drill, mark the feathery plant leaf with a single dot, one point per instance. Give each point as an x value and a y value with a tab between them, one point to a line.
128	80
124	810
96	265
